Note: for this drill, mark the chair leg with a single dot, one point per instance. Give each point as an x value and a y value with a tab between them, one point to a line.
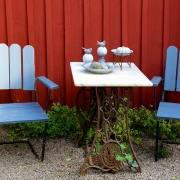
44	141
157	139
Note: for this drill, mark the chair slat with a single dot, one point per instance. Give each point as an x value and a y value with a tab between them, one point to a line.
168	110
21	113
15	67
28	68
4	66
178	75
170	69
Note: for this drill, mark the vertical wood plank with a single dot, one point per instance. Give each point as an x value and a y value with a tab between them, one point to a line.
134	41
178	74
15	66
68	51
30	28
28	68
166	32
30	23
58	49
49	39
144	48
40	47
5	94
106	28
4	66
86	25
9	18
95	25
3	25
115	21
124	23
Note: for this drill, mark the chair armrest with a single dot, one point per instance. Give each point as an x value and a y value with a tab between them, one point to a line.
156	80
48	83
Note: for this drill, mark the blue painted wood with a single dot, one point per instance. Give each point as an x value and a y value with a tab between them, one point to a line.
4	66
178	75
21	113
48	83
28	68
15	67
170	68
156	80
168	110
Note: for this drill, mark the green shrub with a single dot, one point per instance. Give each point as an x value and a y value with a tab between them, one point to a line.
64	121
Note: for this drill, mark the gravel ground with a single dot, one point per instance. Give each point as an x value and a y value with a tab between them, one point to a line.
63	161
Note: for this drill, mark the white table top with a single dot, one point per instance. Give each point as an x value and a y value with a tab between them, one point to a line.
127	77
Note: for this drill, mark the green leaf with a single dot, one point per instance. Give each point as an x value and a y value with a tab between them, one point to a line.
98	147
129	157
122	146
135	165
94	153
119	158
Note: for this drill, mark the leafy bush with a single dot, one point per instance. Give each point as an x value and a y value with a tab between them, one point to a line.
64	121
143	120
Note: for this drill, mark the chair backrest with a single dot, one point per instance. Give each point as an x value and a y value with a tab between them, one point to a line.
172	70
14	73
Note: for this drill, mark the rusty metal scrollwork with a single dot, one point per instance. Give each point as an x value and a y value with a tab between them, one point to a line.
111	149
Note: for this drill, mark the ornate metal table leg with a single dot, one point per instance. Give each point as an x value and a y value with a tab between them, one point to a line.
111	149
86	105
135	163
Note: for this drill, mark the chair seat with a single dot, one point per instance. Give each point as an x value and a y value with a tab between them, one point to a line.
21	113
168	110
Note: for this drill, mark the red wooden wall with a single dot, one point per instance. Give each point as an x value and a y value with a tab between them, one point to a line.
58	29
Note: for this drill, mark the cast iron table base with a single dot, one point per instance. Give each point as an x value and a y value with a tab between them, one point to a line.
111	149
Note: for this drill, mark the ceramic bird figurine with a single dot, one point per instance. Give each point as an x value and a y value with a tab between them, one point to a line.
88	50
101	44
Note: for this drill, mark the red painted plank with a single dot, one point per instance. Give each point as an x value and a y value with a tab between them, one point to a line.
86	24
106	29
9	18
144	55
134	43
58	49
115	21
30	22
124	25
5	95
40	47
49	40
95	25
3	30
68	51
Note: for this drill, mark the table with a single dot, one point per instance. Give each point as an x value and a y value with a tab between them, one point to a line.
98	101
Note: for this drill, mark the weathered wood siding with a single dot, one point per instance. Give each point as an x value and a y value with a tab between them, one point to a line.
58	29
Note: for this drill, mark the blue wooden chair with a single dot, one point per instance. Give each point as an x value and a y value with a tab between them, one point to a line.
171	82
14	75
